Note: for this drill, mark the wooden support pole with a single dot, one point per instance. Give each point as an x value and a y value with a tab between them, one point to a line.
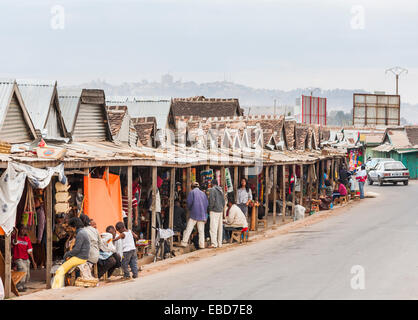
7	266
266	193
188	187
107	174
301	185
171	210
188	180
309	185
129	213
294	190
274	194
236	182
223	182
154	212
284	192
49	214
317	181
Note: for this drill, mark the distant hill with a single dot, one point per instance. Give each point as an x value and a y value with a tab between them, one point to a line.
338	99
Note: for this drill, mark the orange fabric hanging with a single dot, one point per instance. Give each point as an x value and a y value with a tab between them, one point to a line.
102	200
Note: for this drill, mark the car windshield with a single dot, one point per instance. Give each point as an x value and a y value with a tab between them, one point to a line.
394	166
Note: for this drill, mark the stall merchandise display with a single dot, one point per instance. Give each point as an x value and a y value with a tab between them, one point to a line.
228	179
206	176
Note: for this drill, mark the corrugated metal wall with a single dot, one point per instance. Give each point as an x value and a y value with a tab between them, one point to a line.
90	123
15	129
52	123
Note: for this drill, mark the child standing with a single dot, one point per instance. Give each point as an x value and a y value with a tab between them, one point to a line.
129	258
22	250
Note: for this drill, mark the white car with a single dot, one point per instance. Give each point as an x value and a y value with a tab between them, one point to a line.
388	171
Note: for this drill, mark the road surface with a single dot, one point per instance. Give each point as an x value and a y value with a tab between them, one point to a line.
379	235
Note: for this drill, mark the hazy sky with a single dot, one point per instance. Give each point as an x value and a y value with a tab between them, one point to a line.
264	44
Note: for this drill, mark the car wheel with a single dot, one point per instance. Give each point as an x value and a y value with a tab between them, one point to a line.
380	182
395	183
370	181
405	183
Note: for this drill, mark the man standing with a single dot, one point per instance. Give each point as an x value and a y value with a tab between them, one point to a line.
216	209
197	202
361	177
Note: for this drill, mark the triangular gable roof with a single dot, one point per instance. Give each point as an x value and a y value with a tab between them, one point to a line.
72	100
8	89
289	127
40	97
301	135
204	107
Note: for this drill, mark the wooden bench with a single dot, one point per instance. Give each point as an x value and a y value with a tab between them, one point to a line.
16	276
240	236
263	222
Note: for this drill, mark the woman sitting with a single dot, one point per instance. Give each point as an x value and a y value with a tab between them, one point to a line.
342	191
234	219
77	255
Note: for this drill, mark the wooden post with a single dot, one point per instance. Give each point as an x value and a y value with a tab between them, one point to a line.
294	191
274	193
171	211
223	182
284	192
309	185
236	182
266	194
7	266
188	187
154	212
301	185
49	214
129	213
107	174
317	181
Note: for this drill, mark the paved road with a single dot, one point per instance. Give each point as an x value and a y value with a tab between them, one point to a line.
315	262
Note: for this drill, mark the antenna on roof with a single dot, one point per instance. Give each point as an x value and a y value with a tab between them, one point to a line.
397	71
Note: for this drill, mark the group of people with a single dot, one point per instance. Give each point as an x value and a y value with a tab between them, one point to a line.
348	180
110	250
211	205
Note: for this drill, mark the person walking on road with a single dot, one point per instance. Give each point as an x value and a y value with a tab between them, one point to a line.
216	209
197	202
361	177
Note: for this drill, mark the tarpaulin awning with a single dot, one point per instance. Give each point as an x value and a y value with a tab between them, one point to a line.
12	184
103	201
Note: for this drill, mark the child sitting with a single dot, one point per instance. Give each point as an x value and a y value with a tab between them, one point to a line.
129	258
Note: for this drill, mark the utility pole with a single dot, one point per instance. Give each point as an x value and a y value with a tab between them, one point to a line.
274	106
397	71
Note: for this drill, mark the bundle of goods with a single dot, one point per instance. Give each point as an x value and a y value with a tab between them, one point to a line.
5	147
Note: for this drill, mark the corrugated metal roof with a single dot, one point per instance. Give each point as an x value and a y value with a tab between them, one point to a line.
6	88
138	107
68	99
37	96
384	148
